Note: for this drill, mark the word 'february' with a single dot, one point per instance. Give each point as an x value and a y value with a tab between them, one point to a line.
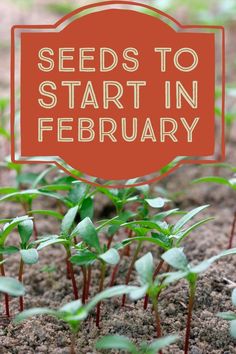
67	130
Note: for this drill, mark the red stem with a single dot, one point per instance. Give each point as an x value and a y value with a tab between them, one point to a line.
110	239
88	282
84	285
135	256
157	271
6	296
113	274
68	268
73	343
20	278
101	284
115	270
189	318
158	321
232	232
35	231
127	249
73	281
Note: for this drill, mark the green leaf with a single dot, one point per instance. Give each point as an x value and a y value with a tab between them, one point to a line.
7	190
29	256
176	258
173	277
233	297
86	230
9	250
34	312
27	178
161	343
5	221
68	220
111	256
52	240
157	202
228	316
9	227
155	240
150	225
186	218
47	212
84	257
5	133
164	214
164	241
108	293
233	328
138	292
116	342
11	286
25	229
61	8
87	208
41	177
78	193
34	193
192	228
203	266
72	307
212	179
145	267
56	187
4	102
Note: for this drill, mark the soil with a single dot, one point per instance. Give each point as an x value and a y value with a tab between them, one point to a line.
40	335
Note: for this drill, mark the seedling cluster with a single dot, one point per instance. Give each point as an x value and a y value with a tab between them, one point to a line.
135	219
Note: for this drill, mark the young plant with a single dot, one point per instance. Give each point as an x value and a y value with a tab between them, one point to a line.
124	343
231	183
150	285
26	197
123	196
29	254
79	194
90	251
4	234
177	259
230	316
66	239
164	235
74	312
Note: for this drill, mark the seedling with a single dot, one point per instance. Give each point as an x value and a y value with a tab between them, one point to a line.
74	312
230	316
150	285
121	197
163	235
79	194
231	183
4	233
66	239
93	251
177	259
29	255
26	197
124	343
